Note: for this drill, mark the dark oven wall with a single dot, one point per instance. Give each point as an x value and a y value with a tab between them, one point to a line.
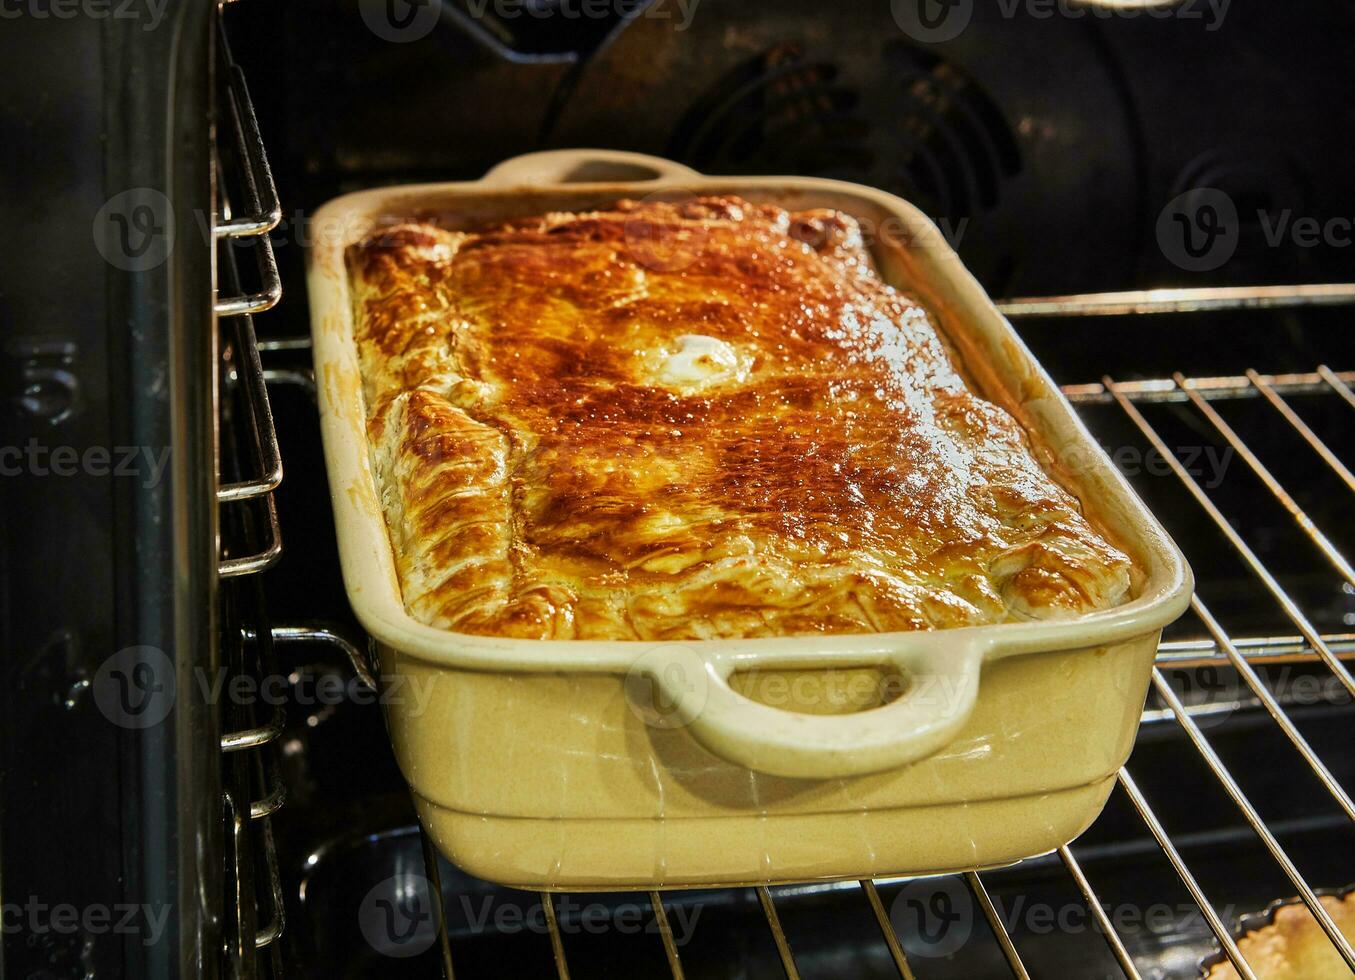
1045	139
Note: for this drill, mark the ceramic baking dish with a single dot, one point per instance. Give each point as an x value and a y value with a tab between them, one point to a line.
623	764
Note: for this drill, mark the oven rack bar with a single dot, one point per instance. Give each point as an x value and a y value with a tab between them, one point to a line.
1235	538
252	785
1253	818
1277	402
262	211
887	932
1195	300
243	384
1266	650
1277	490
670	947
1319	382
253	788
247	369
253	792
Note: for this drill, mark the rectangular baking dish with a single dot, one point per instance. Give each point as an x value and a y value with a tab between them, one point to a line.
624	764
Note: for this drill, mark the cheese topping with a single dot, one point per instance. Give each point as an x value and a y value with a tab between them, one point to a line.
700	362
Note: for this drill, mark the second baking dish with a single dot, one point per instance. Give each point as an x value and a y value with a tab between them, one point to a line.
534	765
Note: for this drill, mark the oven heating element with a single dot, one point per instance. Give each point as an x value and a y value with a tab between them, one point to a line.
253	918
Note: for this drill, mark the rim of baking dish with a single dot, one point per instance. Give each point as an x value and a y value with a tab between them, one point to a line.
366	554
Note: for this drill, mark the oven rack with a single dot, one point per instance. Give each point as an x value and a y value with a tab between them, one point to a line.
252	790
252	919
1185	300
249	471
1245	655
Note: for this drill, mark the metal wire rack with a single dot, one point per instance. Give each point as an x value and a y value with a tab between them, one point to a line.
252	789
250	470
1245	655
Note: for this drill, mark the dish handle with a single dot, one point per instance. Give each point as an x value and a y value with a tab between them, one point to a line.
942	687
584	166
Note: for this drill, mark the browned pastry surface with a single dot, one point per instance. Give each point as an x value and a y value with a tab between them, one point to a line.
688	421
1294	947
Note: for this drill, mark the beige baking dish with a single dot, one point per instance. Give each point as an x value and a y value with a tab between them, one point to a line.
600	765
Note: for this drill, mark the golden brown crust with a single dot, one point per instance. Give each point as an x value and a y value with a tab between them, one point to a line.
1294	947
693	420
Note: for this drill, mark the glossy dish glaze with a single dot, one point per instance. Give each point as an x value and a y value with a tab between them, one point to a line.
694	420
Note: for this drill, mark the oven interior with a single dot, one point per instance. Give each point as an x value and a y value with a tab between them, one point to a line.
1054	144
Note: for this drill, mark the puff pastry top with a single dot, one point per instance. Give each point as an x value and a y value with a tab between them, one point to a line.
688	421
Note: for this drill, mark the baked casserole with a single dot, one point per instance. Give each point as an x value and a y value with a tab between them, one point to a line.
690	420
